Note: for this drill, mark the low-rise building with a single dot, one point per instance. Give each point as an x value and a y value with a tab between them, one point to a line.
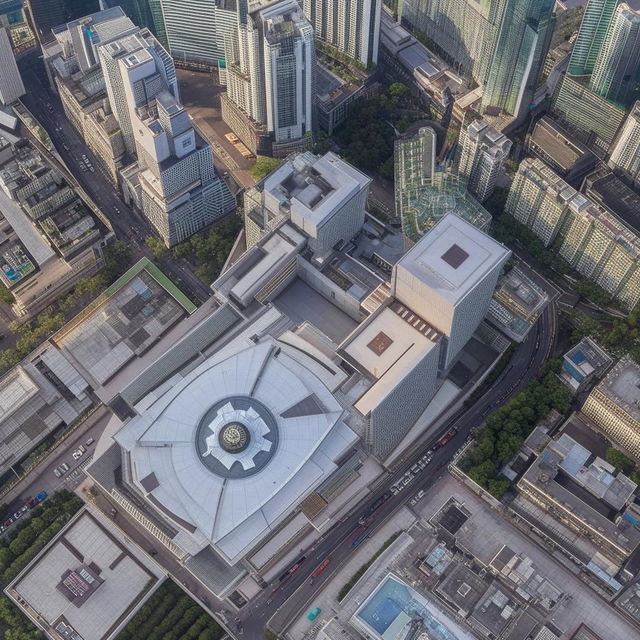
51	237
583	492
87	582
555	146
584	362
614	406
517	303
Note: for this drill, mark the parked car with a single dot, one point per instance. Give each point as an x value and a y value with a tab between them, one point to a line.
76	454
89	442
57	472
64	466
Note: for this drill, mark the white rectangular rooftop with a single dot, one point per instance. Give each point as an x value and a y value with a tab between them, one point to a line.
452	257
312	188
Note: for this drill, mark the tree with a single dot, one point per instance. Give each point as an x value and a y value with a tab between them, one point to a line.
264	166
619	460
117	260
6	295
156	245
386	169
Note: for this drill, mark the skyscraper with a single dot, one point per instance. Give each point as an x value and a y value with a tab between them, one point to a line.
46	14
603	78
352	27
198	29
616	74
175	181
270	69
156	74
448	278
414	158
625	155
11	87
518	55
501	44
483	151
593	29
144	13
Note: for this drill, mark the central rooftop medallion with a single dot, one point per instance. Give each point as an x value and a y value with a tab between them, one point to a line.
236	437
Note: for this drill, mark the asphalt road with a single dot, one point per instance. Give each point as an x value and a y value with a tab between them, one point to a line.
281	602
127	224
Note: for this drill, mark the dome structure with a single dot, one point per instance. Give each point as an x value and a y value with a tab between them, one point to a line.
233	447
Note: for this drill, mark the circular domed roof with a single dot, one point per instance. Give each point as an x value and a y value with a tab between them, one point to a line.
236	437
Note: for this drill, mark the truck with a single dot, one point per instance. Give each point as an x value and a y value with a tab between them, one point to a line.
320	568
446	437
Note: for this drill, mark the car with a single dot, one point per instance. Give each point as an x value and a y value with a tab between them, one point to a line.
41	496
406	481
57	472
89	442
422	464
313	614
415	468
16	515
7	523
76	454
64	466
92	169
81	449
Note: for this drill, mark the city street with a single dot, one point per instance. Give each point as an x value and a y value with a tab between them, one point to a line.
280	603
126	223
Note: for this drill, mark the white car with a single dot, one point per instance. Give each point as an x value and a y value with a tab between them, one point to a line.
64	466
76	454
57	472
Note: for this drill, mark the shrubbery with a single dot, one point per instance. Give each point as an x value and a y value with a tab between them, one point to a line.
170	614
506	428
20	545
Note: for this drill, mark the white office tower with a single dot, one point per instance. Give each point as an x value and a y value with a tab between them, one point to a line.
448	279
483	151
414	159
270	69
11	87
180	190
325	197
136	68
625	155
352	27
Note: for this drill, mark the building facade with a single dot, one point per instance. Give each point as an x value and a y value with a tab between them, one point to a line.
613	406
616	75
11	87
352	27
414	161
270	79
593	241
625	153
483	151
197	30
449	277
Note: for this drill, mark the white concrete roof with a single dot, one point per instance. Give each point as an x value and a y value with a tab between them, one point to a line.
234	513
452	257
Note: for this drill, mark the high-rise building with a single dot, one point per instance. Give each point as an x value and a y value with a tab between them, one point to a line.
483	151
270	72
613	406
11	87
616	74
198	29
518	55
144	13
414	159
593	29
47	14
625	154
152	72
501	44
180	190
73	65
603	78
448	278
592	241
352	27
